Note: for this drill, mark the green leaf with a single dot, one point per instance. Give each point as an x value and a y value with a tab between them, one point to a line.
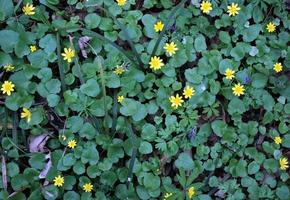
71	195
148	22
92	20
11	39
6	9
88	131
251	33
91	88
48	43
286	141
68	160
149	132
53	86
253	168
145	147
151	182
225	37
259	80
184	161
283	192
199	43
19	182
129	107
38	59
90	155
236	106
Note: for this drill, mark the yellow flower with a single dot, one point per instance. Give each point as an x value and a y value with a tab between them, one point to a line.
28	9
205	7
68	54
188	92
58	181
278	140
121	2
72	144
8	67
120	99
238	89
230	74
33	48
170	48
233	9
119	70
176	101
191	192
277	67
7	87
271	27
283	163
158	26
26	114
167	195
88	187
156	63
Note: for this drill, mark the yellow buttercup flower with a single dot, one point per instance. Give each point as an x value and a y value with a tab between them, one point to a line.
170	48
278	140
230	74
158	27
277	67
7	87
271	27
205	7
233	9
28	9
188	92
176	101
88	187
191	192
119	70
33	48
120	99
283	163
167	195
68	54
8	67
26	114
238	89
58	181
72	144
121	2
156	63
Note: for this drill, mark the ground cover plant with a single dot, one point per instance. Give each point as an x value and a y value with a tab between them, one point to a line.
145	99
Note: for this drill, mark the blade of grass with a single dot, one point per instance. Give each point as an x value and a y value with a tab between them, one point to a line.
59	61
14	128
134	153
115	114
76	62
100	66
17	6
171	15
123	28
97	35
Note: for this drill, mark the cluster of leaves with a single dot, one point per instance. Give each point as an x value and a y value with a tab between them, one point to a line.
94	121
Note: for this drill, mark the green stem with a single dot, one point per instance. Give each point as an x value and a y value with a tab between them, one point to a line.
59	61
134	153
